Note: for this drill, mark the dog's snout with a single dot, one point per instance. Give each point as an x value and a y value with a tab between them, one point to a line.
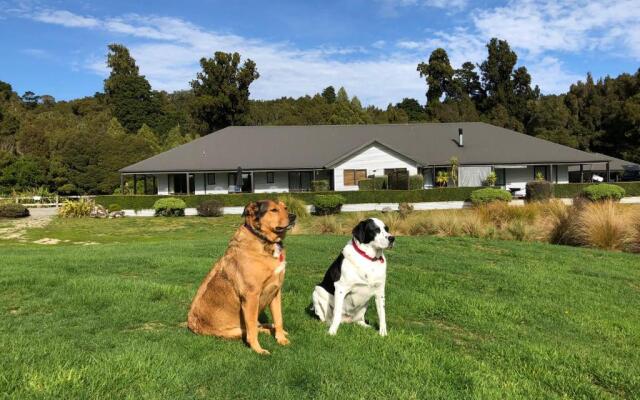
392	239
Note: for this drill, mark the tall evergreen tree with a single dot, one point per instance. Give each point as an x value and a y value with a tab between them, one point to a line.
438	74
329	94
222	90
128	92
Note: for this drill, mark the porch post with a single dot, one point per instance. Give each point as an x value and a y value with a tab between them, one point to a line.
253	183
433	176
581	173
608	173
145	184
135	184
188	188
155	185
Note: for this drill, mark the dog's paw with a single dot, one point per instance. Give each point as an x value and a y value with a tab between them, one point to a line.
262	351
282	341
383	331
333	330
363	324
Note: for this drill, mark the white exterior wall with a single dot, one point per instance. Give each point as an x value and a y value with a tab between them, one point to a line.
374	159
220	187
280	183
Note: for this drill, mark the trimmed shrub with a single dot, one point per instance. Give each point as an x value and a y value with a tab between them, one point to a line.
114	207
604	191
539	190
169	207
296	206
416	182
321	185
210	208
13	210
326	204
570	190
76	209
488	195
375	183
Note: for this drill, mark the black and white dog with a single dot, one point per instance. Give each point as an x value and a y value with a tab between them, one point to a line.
358	274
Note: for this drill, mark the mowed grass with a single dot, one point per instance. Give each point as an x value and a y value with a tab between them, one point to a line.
468	318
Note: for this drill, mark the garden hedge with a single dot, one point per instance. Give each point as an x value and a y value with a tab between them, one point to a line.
489	195
376	183
570	190
140	202
604	191
12	210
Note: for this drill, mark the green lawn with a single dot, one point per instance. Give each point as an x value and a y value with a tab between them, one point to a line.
467	318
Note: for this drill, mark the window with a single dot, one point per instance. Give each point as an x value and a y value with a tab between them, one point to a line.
231	179
271	177
211	179
353	176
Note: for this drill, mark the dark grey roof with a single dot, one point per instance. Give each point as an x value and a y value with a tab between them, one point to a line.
615	164
292	147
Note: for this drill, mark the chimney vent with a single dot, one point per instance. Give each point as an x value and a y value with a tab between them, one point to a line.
460	137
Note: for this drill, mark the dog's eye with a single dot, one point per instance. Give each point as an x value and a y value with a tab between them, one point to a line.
274	210
386	228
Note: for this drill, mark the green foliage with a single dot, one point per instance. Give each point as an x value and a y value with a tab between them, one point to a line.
24	173
169	207
539	190
13	210
76	209
351	197
438	74
113	207
129	93
295	206
375	183
415	112
222	90
442	179
210	208
416	182
326	204
489	195
604	191
321	185
491	179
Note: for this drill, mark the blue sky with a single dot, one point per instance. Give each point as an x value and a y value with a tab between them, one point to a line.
369	46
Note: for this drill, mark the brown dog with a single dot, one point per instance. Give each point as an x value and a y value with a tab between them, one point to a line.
246	279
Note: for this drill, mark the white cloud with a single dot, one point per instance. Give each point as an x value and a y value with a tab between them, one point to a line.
571	26
168	51
65	18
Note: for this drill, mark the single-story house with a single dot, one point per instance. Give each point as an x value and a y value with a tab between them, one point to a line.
265	159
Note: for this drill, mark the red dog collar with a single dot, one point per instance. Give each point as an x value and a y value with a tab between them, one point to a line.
363	254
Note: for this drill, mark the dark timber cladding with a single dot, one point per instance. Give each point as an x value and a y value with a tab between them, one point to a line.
311	147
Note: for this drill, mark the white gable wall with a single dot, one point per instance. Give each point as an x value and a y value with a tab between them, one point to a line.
374	159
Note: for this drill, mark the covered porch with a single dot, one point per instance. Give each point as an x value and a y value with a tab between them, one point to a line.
222	182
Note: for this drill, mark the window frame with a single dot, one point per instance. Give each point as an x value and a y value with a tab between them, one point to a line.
208	178
271	177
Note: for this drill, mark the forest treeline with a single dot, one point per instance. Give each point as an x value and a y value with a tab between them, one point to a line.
77	146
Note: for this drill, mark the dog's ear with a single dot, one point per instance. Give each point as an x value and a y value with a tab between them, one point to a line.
359	232
256	209
250	209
